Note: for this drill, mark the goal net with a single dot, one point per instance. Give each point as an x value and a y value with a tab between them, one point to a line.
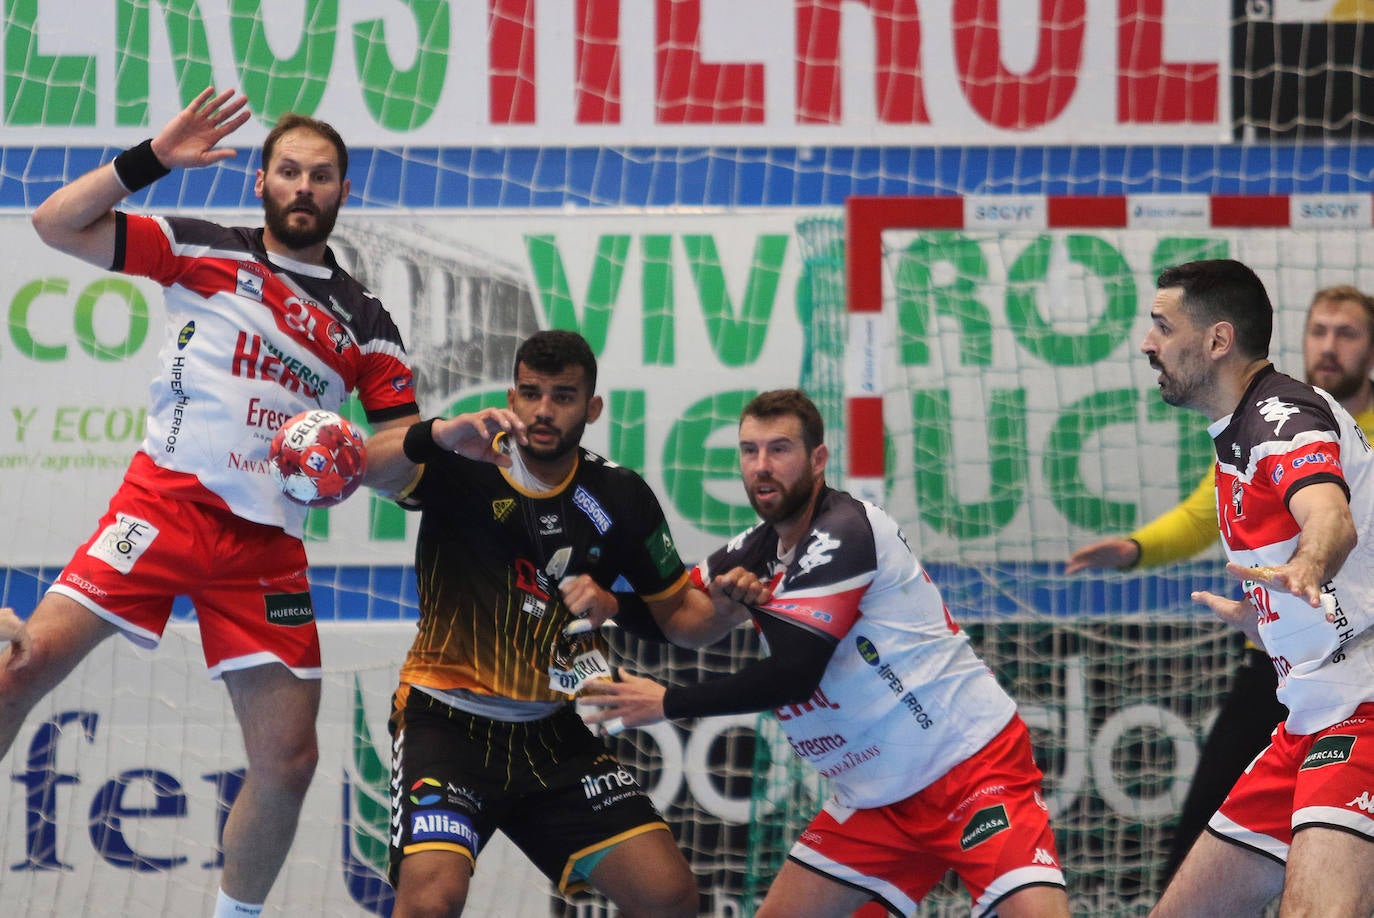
670	179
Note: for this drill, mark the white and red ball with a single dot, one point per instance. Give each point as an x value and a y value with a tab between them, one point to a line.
317	458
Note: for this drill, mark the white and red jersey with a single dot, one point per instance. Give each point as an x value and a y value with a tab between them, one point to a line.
253	339
904	698
1283	436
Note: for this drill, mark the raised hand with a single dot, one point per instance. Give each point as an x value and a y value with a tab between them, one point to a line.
191	139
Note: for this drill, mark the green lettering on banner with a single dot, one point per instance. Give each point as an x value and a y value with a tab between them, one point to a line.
19	319
190	50
736	340
935	461
1196	452
1063	470
603	287
1175	250
656	283
1027	278
917	291
137	308
627	439
44	89
690	464
277	85
402	100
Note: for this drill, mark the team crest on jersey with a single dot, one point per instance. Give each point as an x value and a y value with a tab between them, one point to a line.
249	282
339	337
501	508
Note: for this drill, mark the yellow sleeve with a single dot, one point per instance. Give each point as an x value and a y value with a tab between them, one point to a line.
1182	532
1366	421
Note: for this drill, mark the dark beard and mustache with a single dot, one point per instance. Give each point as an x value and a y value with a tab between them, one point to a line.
791	502
278	220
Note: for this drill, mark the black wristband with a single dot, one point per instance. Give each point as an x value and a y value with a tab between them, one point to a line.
1139	553
419	445
138	167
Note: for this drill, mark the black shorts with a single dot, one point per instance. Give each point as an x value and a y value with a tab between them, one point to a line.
550	785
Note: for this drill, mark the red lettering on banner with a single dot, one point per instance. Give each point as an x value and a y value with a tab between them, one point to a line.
1018	101
510	39
1150	91
897	43
598	62
691	91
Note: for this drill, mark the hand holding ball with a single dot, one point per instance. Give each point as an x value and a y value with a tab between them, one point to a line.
317	458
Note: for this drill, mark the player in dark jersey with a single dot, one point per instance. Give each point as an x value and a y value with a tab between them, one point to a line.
485	734
1295	506
262	324
876	688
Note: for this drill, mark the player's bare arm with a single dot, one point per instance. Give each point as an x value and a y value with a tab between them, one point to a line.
13	629
472	434
690	619
78	218
1105	554
1327	537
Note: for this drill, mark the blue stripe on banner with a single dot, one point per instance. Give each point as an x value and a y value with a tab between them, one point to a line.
973	593
458	177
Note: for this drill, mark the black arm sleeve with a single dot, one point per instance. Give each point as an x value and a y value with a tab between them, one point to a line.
789	675
634	617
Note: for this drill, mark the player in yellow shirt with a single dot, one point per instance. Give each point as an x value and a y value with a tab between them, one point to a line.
1338	356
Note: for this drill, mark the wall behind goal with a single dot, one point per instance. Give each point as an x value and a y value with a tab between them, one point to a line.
669	178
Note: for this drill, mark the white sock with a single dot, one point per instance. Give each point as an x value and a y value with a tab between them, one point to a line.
232	908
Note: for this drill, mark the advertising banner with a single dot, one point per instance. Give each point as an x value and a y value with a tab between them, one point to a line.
612	73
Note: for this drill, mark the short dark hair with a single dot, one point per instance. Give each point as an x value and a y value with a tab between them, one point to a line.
290	122
554	350
777	403
1225	290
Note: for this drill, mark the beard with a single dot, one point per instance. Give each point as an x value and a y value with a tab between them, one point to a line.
278	220
791	499
567	442
1344	386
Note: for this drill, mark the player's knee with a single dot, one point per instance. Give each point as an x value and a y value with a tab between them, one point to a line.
289	766
675	896
423	891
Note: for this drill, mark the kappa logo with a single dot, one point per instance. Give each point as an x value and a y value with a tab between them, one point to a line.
1329	750
1276	412
1363	802
818	551
1044	858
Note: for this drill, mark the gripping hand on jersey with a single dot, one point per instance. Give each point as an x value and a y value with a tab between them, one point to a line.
631	701
192	137
738	586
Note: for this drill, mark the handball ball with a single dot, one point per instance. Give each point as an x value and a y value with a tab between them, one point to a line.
317	458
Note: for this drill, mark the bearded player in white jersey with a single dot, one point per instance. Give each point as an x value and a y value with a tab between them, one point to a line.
1295	504
262	324
876	687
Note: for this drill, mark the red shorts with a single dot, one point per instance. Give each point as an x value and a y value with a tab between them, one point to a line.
1318	779
247	580
985	819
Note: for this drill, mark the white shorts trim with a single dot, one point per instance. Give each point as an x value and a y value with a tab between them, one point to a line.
142	637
